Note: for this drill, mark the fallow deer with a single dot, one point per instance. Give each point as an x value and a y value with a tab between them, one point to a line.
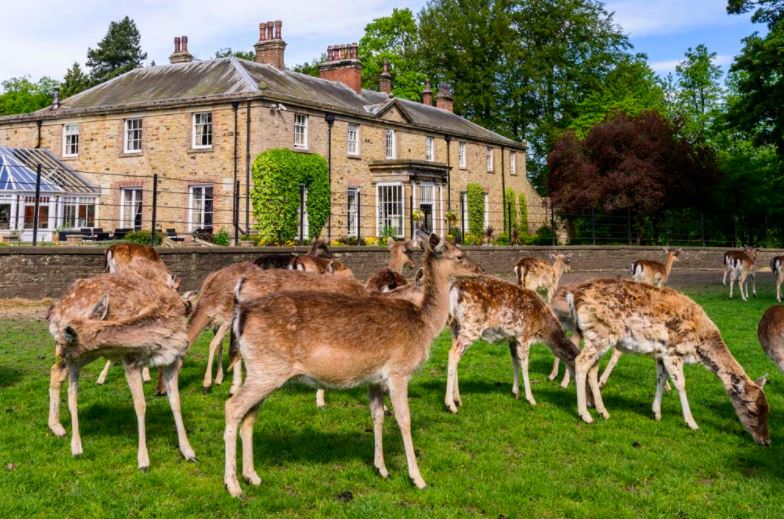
320	266
399	258
670	327
653	272
123	317
740	265
496	311
538	275
281	261
777	267
341	341
771	334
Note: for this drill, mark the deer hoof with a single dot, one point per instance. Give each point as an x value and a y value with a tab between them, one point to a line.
382	471
234	488
531	401
586	417
206	389
604	414
516	394
57	429
420	483
252	479
692	425
451	407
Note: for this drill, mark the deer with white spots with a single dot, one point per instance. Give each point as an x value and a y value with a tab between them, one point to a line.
777	267
655	273
740	265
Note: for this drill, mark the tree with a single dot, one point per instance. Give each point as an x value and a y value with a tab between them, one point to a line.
767	11
75	81
20	95
312	68
393	38
227	52
118	52
699	95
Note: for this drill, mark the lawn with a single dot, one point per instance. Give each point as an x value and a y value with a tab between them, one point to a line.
497	457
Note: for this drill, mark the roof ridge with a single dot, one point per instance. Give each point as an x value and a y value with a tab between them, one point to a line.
244	74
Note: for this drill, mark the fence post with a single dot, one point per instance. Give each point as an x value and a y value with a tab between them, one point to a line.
629	225
593	225
734	229
302	214
552	224
667	226
359	215
462	219
154	208
237	213
702	225
411	214
37	203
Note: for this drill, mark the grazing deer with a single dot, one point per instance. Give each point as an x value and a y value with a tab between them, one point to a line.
127	318
281	261
340	341
653	272
496	311
538	275
670	327
770	333
739	265
777	267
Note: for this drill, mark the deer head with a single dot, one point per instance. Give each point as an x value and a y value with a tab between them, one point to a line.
319	249
400	255
449	259
67	339
750	251
561	261
751	406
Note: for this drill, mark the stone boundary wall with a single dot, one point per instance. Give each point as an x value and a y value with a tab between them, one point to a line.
35	273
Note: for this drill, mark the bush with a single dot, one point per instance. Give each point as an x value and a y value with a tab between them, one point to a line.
543	236
277	176
221	238
476	209
511	211
523	217
143	237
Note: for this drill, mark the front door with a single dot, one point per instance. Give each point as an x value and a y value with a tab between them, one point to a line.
426	205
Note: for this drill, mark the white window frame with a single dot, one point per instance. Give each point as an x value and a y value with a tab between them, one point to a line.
430	149
196	221
490	159
463	223
352	211
9	200
513	163
390	149
70	139
462	158
352	128
137	196
380	216
206	131
301	122
487	211
77	202
127	131
305	217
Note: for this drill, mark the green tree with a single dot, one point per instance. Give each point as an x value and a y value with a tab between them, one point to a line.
699	94
228	52
20	95
767	11
393	38
75	81
311	68
118	52
475	195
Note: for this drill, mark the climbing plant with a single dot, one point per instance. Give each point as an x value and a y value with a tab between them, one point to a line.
476	209
523	215
277	177
511	211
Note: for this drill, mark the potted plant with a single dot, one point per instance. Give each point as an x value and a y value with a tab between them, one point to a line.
419	217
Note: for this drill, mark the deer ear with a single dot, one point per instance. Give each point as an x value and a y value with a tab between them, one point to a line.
436	244
330	267
70	335
101	308
762	380
420	274
174	282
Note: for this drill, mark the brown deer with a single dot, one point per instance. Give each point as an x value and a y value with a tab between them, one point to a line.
740	265
320	266
339	341
670	327
498	311
281	261
538	275
770	333
399	258
123	317
653	272
777	267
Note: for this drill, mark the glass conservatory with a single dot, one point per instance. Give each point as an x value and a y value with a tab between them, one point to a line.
66	201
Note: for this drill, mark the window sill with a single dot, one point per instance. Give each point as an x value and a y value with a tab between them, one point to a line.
70	157
354	156
201	150
463	168
300	149
131	154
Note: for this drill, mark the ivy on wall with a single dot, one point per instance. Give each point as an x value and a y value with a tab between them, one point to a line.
277	176
476	209
511	210
523	215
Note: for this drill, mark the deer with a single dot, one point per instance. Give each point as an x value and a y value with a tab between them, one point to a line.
740	265
653	272
673	329
340	341
127	318
320	266
399	258
776	264
281	261
497	311
770	333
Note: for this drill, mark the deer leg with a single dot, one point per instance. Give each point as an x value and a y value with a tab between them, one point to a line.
515	369
610	366
214	345
661	378
674	367
523	347
376	396
219	362
170	375
73	408
569	372
455	354
236	378
398	392
742	284
246	434
320	398
753	284
554	372
104	373
724	279
57	376
732	282
146	374
134	377
593	375
160	388
778	289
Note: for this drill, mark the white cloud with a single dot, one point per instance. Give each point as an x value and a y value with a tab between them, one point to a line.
663	67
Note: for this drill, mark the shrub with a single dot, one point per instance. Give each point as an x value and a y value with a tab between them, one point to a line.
511	211
523	216
476	209
221	238
143	237
277	176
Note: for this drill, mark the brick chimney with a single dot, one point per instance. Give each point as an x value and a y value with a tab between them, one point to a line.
427	95
444	99
270	48
180	54
385	79
343	65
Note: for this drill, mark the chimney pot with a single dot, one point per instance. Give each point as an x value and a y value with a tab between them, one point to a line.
176	44
270	49
270	30
262	31
278	27
427	95
180	54
184	41
55	99
385	79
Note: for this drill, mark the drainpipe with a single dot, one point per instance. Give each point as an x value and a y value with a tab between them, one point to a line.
38	124
235	211
247	169
448	139
503	190
330	118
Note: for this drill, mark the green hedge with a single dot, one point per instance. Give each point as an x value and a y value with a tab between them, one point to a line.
476	209
277	175
511	211
143	237
523	215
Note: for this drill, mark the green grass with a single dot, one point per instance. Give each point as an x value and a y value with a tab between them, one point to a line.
498	456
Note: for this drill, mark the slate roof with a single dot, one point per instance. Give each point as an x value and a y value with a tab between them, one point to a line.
233	78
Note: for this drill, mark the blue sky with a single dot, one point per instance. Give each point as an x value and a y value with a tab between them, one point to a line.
44	37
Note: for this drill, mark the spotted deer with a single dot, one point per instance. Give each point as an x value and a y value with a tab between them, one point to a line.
777	267
339	341
770	333
538	275
497	311
740	265
123	317
399	258
320	266
281	261
670	327
655	273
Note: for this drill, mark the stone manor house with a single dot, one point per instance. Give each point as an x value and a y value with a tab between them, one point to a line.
199	124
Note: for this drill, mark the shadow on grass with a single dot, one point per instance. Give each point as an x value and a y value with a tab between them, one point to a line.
9	376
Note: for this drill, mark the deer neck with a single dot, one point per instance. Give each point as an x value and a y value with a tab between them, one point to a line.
668	263
718	359
435	291
396	264
558	268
